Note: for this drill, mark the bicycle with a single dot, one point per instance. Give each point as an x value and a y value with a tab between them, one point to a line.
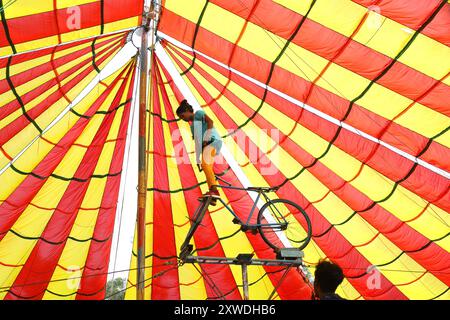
274	216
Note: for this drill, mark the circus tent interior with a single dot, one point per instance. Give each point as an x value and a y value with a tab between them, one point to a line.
336	111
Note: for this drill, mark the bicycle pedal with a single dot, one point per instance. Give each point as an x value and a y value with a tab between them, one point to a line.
213	202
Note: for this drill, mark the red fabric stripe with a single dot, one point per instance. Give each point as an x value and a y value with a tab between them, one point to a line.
343	51
43	259
427	184
21	122
293	286
26	56
298	88
12	128
32	73
97	261
336	247
166	287
16	203
414	14
402	235
344	254
23	29
206	234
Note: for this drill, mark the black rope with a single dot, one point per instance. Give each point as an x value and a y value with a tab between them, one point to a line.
162	118
5	27
385	70
18	98
272	68
97	176
177	190
94	55
102	26
217	242
59	177
144	281
102	16
100	112
340	128
197	27
56	243
441	294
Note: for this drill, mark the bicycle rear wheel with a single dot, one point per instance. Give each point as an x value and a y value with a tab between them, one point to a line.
283	223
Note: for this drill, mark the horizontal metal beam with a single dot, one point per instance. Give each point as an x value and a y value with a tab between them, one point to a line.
235	261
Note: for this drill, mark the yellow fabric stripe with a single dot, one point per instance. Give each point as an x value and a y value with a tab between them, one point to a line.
378	33
373	250
108	28
130	293
32	221
308	65
312	252
239	243
312	189
21	8
16	144
347	291
149	216
401	202
49	76
186	273
70	36
35	62
75	254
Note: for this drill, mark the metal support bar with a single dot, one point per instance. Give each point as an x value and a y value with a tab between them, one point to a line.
245	281
255	262
198	217
244	260
279	282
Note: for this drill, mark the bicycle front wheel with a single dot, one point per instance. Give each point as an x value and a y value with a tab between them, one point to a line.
284	224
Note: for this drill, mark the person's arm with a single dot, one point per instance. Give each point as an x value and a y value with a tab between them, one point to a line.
209	125
198	138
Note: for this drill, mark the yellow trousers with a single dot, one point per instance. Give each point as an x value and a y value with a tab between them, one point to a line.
207	165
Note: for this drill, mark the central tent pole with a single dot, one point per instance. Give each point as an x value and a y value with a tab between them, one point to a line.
142	163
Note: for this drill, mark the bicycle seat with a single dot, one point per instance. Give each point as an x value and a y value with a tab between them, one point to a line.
264	189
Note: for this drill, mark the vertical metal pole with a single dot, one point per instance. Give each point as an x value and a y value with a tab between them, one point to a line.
142	165
245	281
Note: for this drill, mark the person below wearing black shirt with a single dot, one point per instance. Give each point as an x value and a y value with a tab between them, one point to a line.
328	276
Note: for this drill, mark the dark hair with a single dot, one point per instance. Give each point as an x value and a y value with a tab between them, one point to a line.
328	276
184	106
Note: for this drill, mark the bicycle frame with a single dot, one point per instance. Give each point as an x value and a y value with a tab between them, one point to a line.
261	194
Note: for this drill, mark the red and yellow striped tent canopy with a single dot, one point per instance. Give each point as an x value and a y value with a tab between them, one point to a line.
347	102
